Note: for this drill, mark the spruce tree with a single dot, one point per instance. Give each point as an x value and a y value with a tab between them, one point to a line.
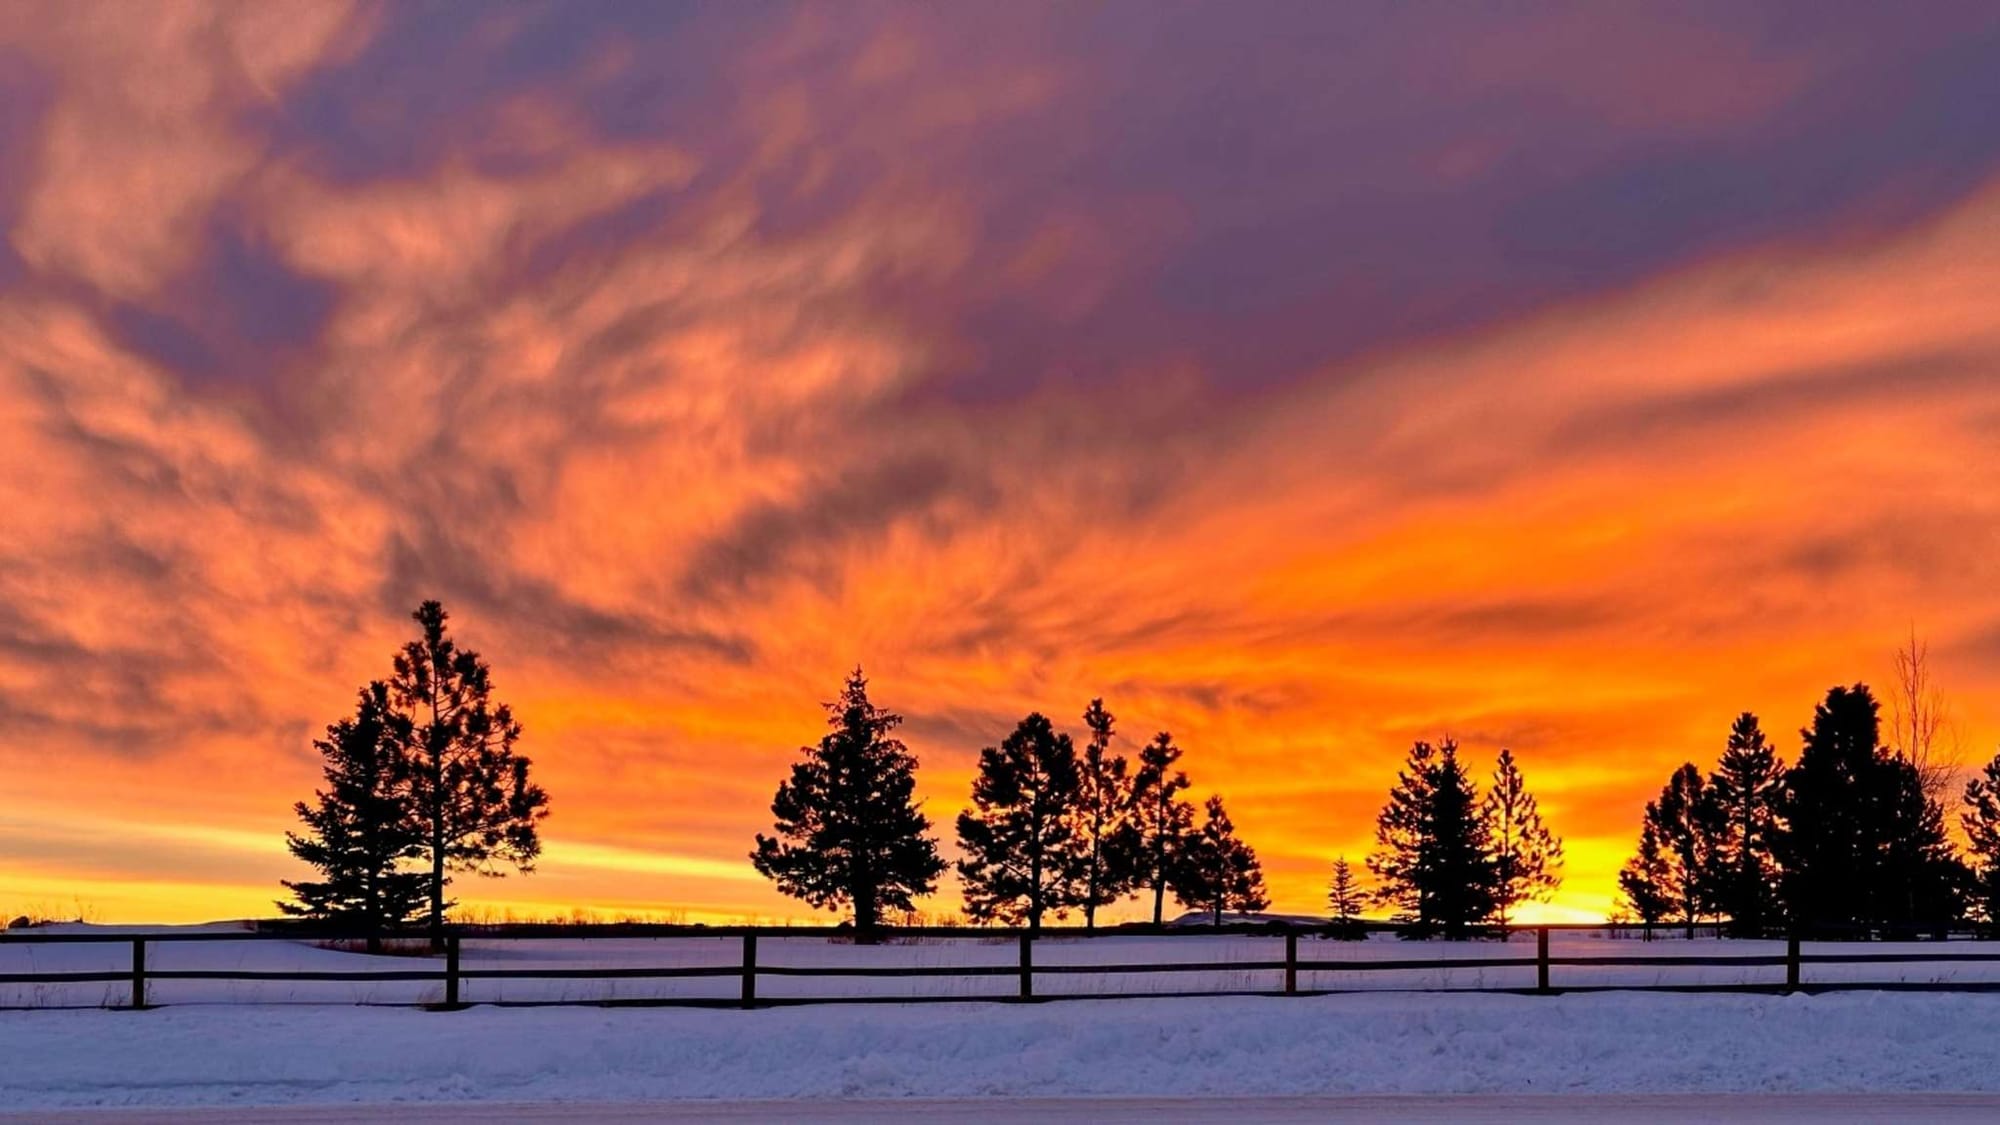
1465	870
1217	871
1861	845
472	801
1103	802
1404	856
359	830
1825	844
1646	878
1023	856
1435	861
1344	902
1527	857
1981	819
1924	883
1745	789
1161	819
850	832
1686	822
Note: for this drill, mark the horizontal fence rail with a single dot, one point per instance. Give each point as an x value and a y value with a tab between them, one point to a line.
1289	975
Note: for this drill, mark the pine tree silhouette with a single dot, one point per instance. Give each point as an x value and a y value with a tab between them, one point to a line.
850	832
1217	871
1527	857
1161	819
1344	900
1103	803
1645	877
1434	861
359	830
1861	846
470	794
1023	856
1745	788
1686	824
1981	819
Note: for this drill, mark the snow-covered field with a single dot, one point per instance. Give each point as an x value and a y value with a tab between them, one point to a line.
1064	966
1388	1043
228	1042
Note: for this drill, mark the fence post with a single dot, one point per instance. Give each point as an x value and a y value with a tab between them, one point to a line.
451	971
1027	965
749	970
1291	963
1792	962
1541	958
138	972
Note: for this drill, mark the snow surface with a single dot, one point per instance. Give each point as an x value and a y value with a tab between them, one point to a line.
292	1043
1393	1043
1232	958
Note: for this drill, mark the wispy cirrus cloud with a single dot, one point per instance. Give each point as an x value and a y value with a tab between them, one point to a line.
1569	380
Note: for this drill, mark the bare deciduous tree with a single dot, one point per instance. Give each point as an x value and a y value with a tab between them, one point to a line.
1921	728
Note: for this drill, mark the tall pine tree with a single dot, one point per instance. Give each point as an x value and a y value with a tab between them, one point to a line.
1161	819
1465	871
1404	857
1924	882
1862	847
1827	844
1023	856
470	793
850	832
1217	871
1103	801
1527	857
359	830
1745	788
1434	861
1685	821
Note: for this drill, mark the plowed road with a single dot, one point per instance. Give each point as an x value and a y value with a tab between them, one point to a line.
1583	1109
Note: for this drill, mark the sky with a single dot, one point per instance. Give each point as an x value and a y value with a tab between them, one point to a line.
1303	379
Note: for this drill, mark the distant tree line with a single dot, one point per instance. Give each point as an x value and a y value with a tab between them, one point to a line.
1850	839
422	781
1052	830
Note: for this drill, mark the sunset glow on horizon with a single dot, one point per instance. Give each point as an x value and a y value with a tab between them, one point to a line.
1624	372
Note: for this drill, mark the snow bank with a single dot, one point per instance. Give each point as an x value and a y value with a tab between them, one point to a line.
1613	1043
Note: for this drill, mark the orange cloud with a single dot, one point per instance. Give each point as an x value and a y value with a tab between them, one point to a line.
679	447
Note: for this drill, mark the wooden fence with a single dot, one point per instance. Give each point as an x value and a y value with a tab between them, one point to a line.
451	974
